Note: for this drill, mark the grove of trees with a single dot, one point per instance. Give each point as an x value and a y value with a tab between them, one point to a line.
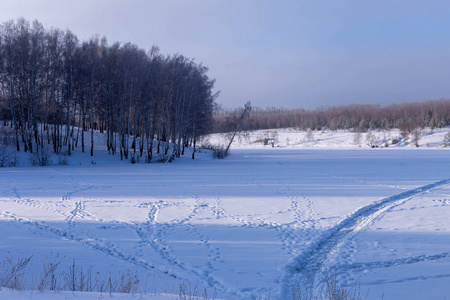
359	117
55	90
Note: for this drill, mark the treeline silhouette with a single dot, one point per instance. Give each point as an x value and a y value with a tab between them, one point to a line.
359	117
54	89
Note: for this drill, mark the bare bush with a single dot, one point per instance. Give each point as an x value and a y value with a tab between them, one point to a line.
75	278
42	157
7	156
371	139
333	291
416	135
219	152
129	283
71	278
330	289
243	136
209	295
12	272
273	138
447	139
270	138
188	292
63	160
357	137
406	127
7	153
309	135
49	276
386	138
303	290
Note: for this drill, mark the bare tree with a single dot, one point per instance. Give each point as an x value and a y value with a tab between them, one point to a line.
244	113
447	140
416	135
371	139
357	137
309	137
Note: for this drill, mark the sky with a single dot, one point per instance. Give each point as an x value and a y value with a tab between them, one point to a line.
291	54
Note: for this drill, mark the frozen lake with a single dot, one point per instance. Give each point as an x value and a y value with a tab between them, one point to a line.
254	222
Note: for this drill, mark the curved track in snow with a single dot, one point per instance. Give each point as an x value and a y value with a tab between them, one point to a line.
308	265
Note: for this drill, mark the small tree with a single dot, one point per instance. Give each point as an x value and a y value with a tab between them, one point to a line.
371	139
406	127
273	138
386	137
42	157
245	113
447	139
7	153
309	135
357	137
416	134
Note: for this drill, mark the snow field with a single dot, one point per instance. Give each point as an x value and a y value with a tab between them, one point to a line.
293	138
254	222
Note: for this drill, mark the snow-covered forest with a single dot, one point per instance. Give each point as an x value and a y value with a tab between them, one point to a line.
56	89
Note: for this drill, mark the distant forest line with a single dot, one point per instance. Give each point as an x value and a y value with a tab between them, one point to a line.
55	89
358	117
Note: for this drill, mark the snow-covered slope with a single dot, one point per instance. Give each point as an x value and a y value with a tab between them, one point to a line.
337	139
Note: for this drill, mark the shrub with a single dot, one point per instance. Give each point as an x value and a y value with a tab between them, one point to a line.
12	272
49	275
371	139
447	139
7	153
309	137
7	156
417	133
329	289
406	127
357	138
42	157
63	160
219	152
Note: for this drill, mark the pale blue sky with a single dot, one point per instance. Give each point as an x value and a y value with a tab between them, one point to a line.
279	53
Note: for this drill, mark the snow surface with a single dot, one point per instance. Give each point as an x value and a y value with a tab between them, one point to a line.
248	225
50	295
332	139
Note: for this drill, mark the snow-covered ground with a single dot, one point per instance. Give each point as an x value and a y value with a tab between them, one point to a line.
50	295
248	225
334	139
